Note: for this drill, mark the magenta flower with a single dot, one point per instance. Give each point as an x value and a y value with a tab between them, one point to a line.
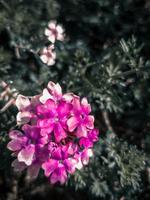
87	142
54	32
60	164
57	134
27	146
80	118
54	118
48	55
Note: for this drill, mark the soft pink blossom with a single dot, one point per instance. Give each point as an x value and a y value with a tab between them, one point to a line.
54	32
48	55
54	92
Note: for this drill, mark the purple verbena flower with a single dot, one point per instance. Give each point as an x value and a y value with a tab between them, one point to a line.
57	134
80	119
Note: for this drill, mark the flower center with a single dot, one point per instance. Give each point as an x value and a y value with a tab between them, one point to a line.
56	119
82	116
54	31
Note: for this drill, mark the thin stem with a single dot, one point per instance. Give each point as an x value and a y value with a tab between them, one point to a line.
104	113
7	105
127	73
108	124
5	5
7	95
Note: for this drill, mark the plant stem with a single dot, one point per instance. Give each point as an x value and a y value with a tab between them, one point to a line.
127	73
108	124
5	5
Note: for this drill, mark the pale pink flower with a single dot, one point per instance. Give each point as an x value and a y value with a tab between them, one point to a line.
26	107
22	102
54	32
54	92
48	55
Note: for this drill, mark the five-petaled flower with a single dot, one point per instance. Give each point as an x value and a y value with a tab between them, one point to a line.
54	32
57	134
48	55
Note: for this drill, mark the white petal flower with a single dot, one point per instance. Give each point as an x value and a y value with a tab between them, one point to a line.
54	32
48	55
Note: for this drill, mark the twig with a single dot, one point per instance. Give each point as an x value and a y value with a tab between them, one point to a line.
129	72
7	95
7	105
5	5
17	53
108	124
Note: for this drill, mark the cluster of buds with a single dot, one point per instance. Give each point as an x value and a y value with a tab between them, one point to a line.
56	134
53	32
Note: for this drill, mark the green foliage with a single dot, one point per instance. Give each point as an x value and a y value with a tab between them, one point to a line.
108	81
115	167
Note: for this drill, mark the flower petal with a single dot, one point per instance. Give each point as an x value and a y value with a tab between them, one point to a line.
52	24
47	32
76	104
26	155
18	140
85	155
44	58
59	132
14	134
59	29
70	165
60	36
48	107
79	164
81	131
46	125
49	166
55	89
14	145
64	109
56	154
72	123
68	97
85	106
50	61
45	96
59	175
51	38
22	102
93	135
89	122
85	142
23	117
33	132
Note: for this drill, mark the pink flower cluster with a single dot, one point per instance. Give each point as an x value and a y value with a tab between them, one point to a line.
53	32
57	134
